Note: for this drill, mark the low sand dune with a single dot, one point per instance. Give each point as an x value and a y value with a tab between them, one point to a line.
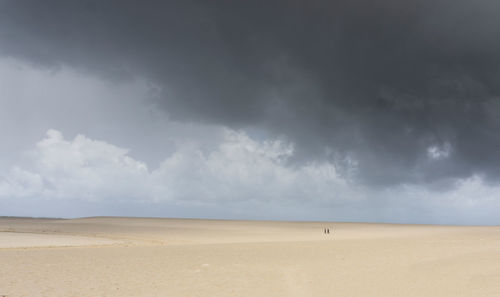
177	257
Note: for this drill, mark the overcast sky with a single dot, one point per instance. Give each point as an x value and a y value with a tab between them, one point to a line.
383	111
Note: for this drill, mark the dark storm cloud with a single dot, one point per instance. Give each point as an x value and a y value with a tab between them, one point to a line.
380	81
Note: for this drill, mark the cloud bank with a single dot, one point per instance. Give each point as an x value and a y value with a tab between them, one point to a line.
240	171
240	168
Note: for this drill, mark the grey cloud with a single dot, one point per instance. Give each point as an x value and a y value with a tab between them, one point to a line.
380	81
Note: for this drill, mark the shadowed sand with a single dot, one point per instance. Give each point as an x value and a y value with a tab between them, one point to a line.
176	257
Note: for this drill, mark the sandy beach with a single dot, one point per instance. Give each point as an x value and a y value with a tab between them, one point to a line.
180	257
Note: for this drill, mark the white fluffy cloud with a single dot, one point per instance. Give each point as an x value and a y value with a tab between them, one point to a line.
238	171
79	169
239	168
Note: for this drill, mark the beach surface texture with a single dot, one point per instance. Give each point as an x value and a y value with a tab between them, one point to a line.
115	256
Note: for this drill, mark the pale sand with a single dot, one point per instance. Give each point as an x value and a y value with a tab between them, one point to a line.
174	257
20	240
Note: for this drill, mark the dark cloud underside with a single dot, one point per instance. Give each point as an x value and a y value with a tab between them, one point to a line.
381	81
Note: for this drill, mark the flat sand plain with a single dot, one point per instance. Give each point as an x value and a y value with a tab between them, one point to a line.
105	256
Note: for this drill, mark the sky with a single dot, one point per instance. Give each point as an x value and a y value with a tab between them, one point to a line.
375	111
